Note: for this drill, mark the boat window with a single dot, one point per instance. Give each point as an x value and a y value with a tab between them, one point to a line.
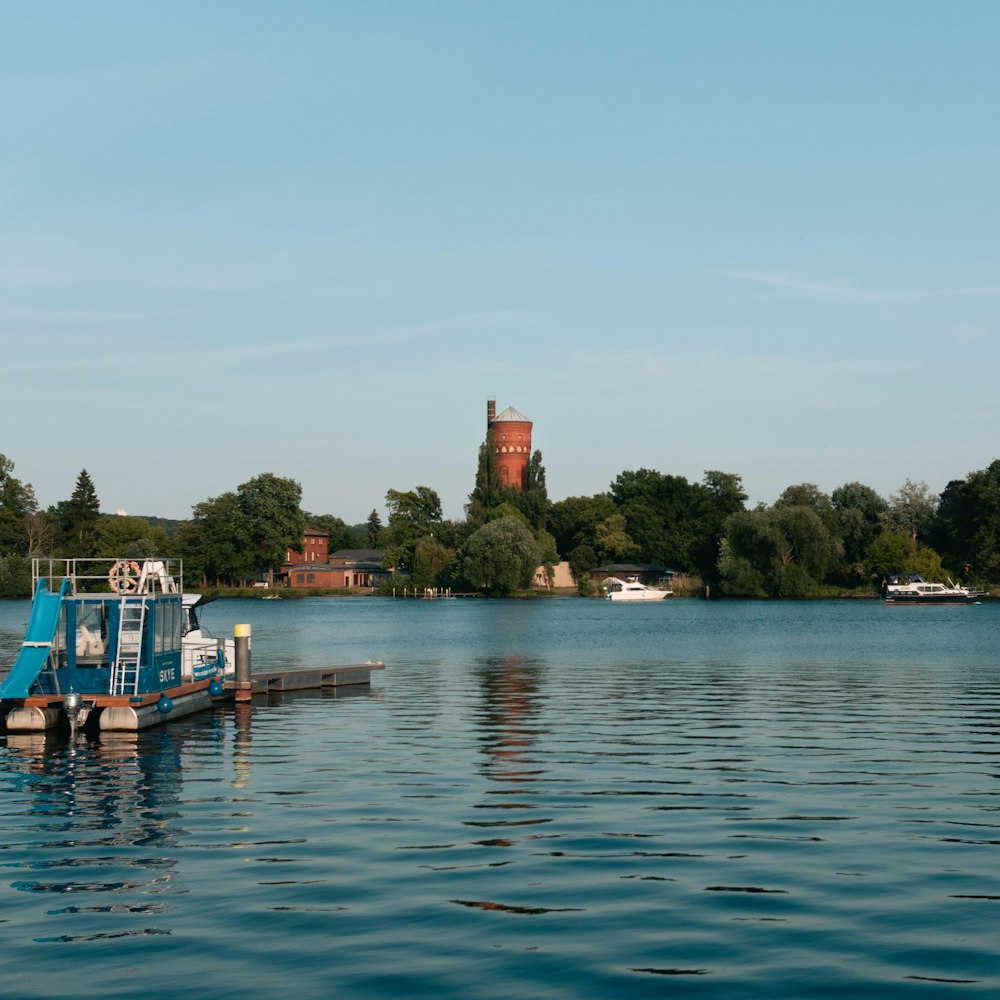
168	626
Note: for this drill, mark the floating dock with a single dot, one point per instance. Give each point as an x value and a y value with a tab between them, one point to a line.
305	680
41	713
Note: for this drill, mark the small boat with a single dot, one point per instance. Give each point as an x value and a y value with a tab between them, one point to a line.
113	645
912	588
631	589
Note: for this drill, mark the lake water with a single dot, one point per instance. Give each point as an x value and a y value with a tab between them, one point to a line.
552	798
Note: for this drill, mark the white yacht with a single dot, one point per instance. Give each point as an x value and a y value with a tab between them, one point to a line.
632	590
912	588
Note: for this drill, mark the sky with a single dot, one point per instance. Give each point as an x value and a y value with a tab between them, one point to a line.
314	238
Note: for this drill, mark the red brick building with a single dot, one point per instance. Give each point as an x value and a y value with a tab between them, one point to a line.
315	548
346	569
512	442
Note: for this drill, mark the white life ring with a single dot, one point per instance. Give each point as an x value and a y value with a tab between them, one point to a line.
124	576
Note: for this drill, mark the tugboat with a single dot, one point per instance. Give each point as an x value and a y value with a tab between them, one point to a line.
111	645
912	588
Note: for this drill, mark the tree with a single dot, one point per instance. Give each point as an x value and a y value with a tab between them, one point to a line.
373	530
124	535
966	529
340	535
662	515
858	514
40	532
532	501
612	541
891	552
911	509
17	504
273	518
573	522
582	560
413	514
215	543
430	559
501	557
719	495
807	495
488	490
777	551
78	519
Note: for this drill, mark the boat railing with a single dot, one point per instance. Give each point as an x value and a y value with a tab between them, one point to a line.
116	576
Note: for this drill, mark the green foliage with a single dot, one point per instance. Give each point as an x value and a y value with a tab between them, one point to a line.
131	537
489	493
806	495
501	557
911	509
858	516
890	552
17	504
77	519
967	527
896	552
413	515
214	543
373	530
582	560
340	535
612	541
15	576
676	522
273	522
488	489
239	536
573	521
430	560
778	551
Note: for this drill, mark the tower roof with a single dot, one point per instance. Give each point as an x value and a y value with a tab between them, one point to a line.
511	415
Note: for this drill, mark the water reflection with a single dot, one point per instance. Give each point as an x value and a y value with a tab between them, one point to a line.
511	688
101	819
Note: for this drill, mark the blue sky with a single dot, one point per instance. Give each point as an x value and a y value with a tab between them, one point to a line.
314	238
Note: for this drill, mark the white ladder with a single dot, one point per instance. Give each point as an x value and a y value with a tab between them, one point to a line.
128	649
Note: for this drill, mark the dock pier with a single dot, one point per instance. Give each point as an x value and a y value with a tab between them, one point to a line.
304	680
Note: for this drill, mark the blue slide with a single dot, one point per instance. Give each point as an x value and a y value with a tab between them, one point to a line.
37	641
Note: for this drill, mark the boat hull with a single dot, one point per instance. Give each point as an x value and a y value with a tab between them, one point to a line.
649	595
107	713
949	599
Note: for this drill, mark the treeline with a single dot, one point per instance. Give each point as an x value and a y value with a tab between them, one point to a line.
807	543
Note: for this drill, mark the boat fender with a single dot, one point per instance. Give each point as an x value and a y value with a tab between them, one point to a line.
124	576
215	689
165	706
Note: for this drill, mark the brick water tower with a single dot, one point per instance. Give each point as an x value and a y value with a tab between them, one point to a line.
512	442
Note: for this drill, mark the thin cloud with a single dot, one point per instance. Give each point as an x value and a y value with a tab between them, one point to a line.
844	291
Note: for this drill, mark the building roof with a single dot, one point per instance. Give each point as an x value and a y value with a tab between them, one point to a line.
359	555
511	415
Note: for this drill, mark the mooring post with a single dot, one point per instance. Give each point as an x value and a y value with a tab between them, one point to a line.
241	634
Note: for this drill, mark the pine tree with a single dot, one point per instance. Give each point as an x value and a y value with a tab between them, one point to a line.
373	530
489	491
79	517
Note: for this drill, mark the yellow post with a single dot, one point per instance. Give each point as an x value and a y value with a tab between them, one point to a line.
241	633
